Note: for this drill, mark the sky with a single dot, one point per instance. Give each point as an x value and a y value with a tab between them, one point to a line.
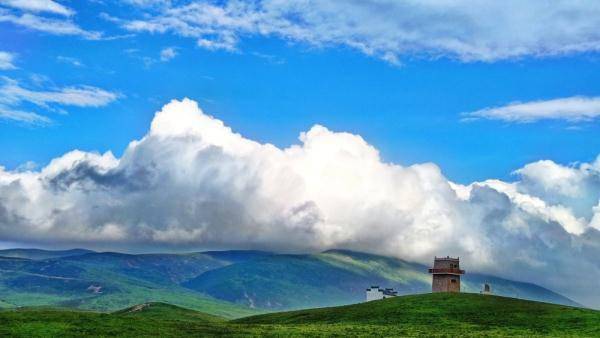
408	128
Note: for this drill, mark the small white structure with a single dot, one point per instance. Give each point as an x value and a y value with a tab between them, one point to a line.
375	293
487	289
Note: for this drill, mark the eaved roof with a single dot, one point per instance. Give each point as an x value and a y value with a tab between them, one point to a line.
390	292
386	291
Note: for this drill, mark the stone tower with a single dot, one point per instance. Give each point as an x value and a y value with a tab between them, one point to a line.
446	274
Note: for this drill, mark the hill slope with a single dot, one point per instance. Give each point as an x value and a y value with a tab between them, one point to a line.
161	311
149	319
454	314
337	277
416	315
163	269
107	282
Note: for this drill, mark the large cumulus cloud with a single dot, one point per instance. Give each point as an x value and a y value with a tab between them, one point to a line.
192	182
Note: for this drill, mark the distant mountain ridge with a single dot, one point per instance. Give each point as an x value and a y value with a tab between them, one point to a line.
226	283
336	277
42	254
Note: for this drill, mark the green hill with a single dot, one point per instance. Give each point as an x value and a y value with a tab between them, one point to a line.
337	277
450	315
161	311
107	282
149	319
157	268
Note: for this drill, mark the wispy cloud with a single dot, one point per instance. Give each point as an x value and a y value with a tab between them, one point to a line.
273	59
167	54
572	109
13	95
50	25
148	3
48	6
82	96
29	118
70	60
7	60
389	30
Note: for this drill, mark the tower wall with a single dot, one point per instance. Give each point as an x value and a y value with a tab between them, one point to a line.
444	283
446	274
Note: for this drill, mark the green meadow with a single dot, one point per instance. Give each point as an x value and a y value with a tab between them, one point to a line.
449	315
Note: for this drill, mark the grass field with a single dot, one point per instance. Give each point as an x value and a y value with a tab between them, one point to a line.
417	315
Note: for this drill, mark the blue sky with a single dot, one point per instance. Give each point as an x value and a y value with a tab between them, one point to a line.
271	88
406	128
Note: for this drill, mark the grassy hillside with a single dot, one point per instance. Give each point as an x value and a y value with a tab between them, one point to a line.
453	314
336	277
282	282
157	268
153	319
237	256
418	315
160	311
105	283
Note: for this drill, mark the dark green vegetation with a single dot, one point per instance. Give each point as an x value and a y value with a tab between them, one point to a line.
450	315
226	283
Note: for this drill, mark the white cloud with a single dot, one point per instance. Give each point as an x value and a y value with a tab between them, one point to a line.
7	60
388	29
573	109
192	182
82	96
29	118
13	95
226	42
70	60
48	25
595	222
167	54
49	6
146	3
548	178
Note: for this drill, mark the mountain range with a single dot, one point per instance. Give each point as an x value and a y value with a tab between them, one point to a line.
226	283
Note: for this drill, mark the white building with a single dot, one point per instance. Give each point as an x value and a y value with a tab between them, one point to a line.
375	293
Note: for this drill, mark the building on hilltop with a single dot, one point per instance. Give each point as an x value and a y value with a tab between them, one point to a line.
375	293
446	274
487	289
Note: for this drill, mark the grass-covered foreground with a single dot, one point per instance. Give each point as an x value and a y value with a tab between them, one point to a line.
417	315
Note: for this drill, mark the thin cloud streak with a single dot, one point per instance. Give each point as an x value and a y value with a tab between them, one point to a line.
572	109
13	95
28	118
48	25
48	6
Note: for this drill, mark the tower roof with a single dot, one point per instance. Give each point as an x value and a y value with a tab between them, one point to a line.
447	258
